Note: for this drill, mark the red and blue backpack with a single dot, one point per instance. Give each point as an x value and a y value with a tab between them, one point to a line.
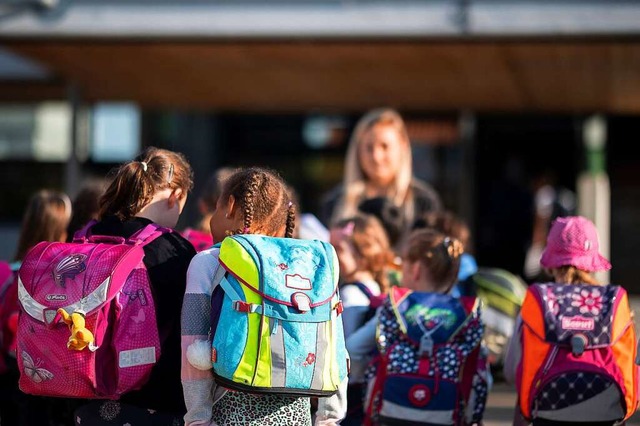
427	370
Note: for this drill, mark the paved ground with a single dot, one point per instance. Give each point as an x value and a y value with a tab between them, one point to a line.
500	406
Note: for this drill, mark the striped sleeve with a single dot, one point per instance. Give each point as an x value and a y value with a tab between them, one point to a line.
198	386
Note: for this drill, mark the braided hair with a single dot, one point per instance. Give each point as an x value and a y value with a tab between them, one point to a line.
264	200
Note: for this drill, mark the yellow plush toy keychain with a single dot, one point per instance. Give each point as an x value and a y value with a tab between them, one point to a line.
80	337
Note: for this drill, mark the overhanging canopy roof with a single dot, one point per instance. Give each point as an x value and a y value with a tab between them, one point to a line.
488	55
487	75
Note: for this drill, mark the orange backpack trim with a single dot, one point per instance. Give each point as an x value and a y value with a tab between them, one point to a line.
625	337
536	353
533	358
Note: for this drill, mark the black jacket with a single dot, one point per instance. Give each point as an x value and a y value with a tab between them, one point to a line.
426	199
167	259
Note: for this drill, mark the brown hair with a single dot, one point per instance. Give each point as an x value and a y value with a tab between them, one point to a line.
86	205
369	239
45	219
264	199
573	275
448	223
209	196
439	253
213	187
136	182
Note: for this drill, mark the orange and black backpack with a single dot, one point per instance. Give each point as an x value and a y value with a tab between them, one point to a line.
578	354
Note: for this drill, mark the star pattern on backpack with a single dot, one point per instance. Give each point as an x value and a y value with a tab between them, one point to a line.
570	389
404	358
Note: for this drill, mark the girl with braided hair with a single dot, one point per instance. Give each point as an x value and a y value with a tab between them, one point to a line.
253	201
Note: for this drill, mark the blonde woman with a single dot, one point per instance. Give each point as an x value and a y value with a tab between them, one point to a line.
379	164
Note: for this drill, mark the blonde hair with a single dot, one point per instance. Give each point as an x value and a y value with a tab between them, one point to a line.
369	239
45	219
439	254
355	178
572	275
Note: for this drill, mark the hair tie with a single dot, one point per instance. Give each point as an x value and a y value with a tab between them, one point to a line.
170	174
144	166
347	230
245	230
290	204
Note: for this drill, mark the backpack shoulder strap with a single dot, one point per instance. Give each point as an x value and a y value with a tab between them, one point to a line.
148	233
532	311
363	288
219	275
220	271
220	279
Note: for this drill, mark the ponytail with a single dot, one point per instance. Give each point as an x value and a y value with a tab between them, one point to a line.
135	183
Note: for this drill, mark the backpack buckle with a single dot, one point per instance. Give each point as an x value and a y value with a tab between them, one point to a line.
241	306
301	302
578	344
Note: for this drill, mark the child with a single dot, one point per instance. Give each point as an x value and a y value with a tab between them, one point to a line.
453	225
577	321
253	201
45	219
200	235
86	205
390	217
419	373
363	253
151	189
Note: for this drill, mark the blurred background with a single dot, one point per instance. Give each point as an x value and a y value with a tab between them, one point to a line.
510	105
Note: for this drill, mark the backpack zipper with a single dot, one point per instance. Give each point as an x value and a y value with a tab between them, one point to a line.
547	366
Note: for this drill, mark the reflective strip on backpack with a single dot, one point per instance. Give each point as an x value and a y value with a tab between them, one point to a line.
37	310
278	361
321	355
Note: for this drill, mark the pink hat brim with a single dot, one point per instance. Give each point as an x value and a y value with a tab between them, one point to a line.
589	263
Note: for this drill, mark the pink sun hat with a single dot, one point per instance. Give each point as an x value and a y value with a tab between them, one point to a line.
573	241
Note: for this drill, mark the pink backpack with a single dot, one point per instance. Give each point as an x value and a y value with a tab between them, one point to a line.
199	240
105	342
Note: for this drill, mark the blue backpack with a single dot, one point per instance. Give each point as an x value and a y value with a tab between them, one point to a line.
429	369
278	328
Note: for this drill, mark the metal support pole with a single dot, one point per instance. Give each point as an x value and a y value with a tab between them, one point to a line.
594	192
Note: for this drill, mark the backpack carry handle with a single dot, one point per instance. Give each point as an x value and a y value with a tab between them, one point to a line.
80	236
109	239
